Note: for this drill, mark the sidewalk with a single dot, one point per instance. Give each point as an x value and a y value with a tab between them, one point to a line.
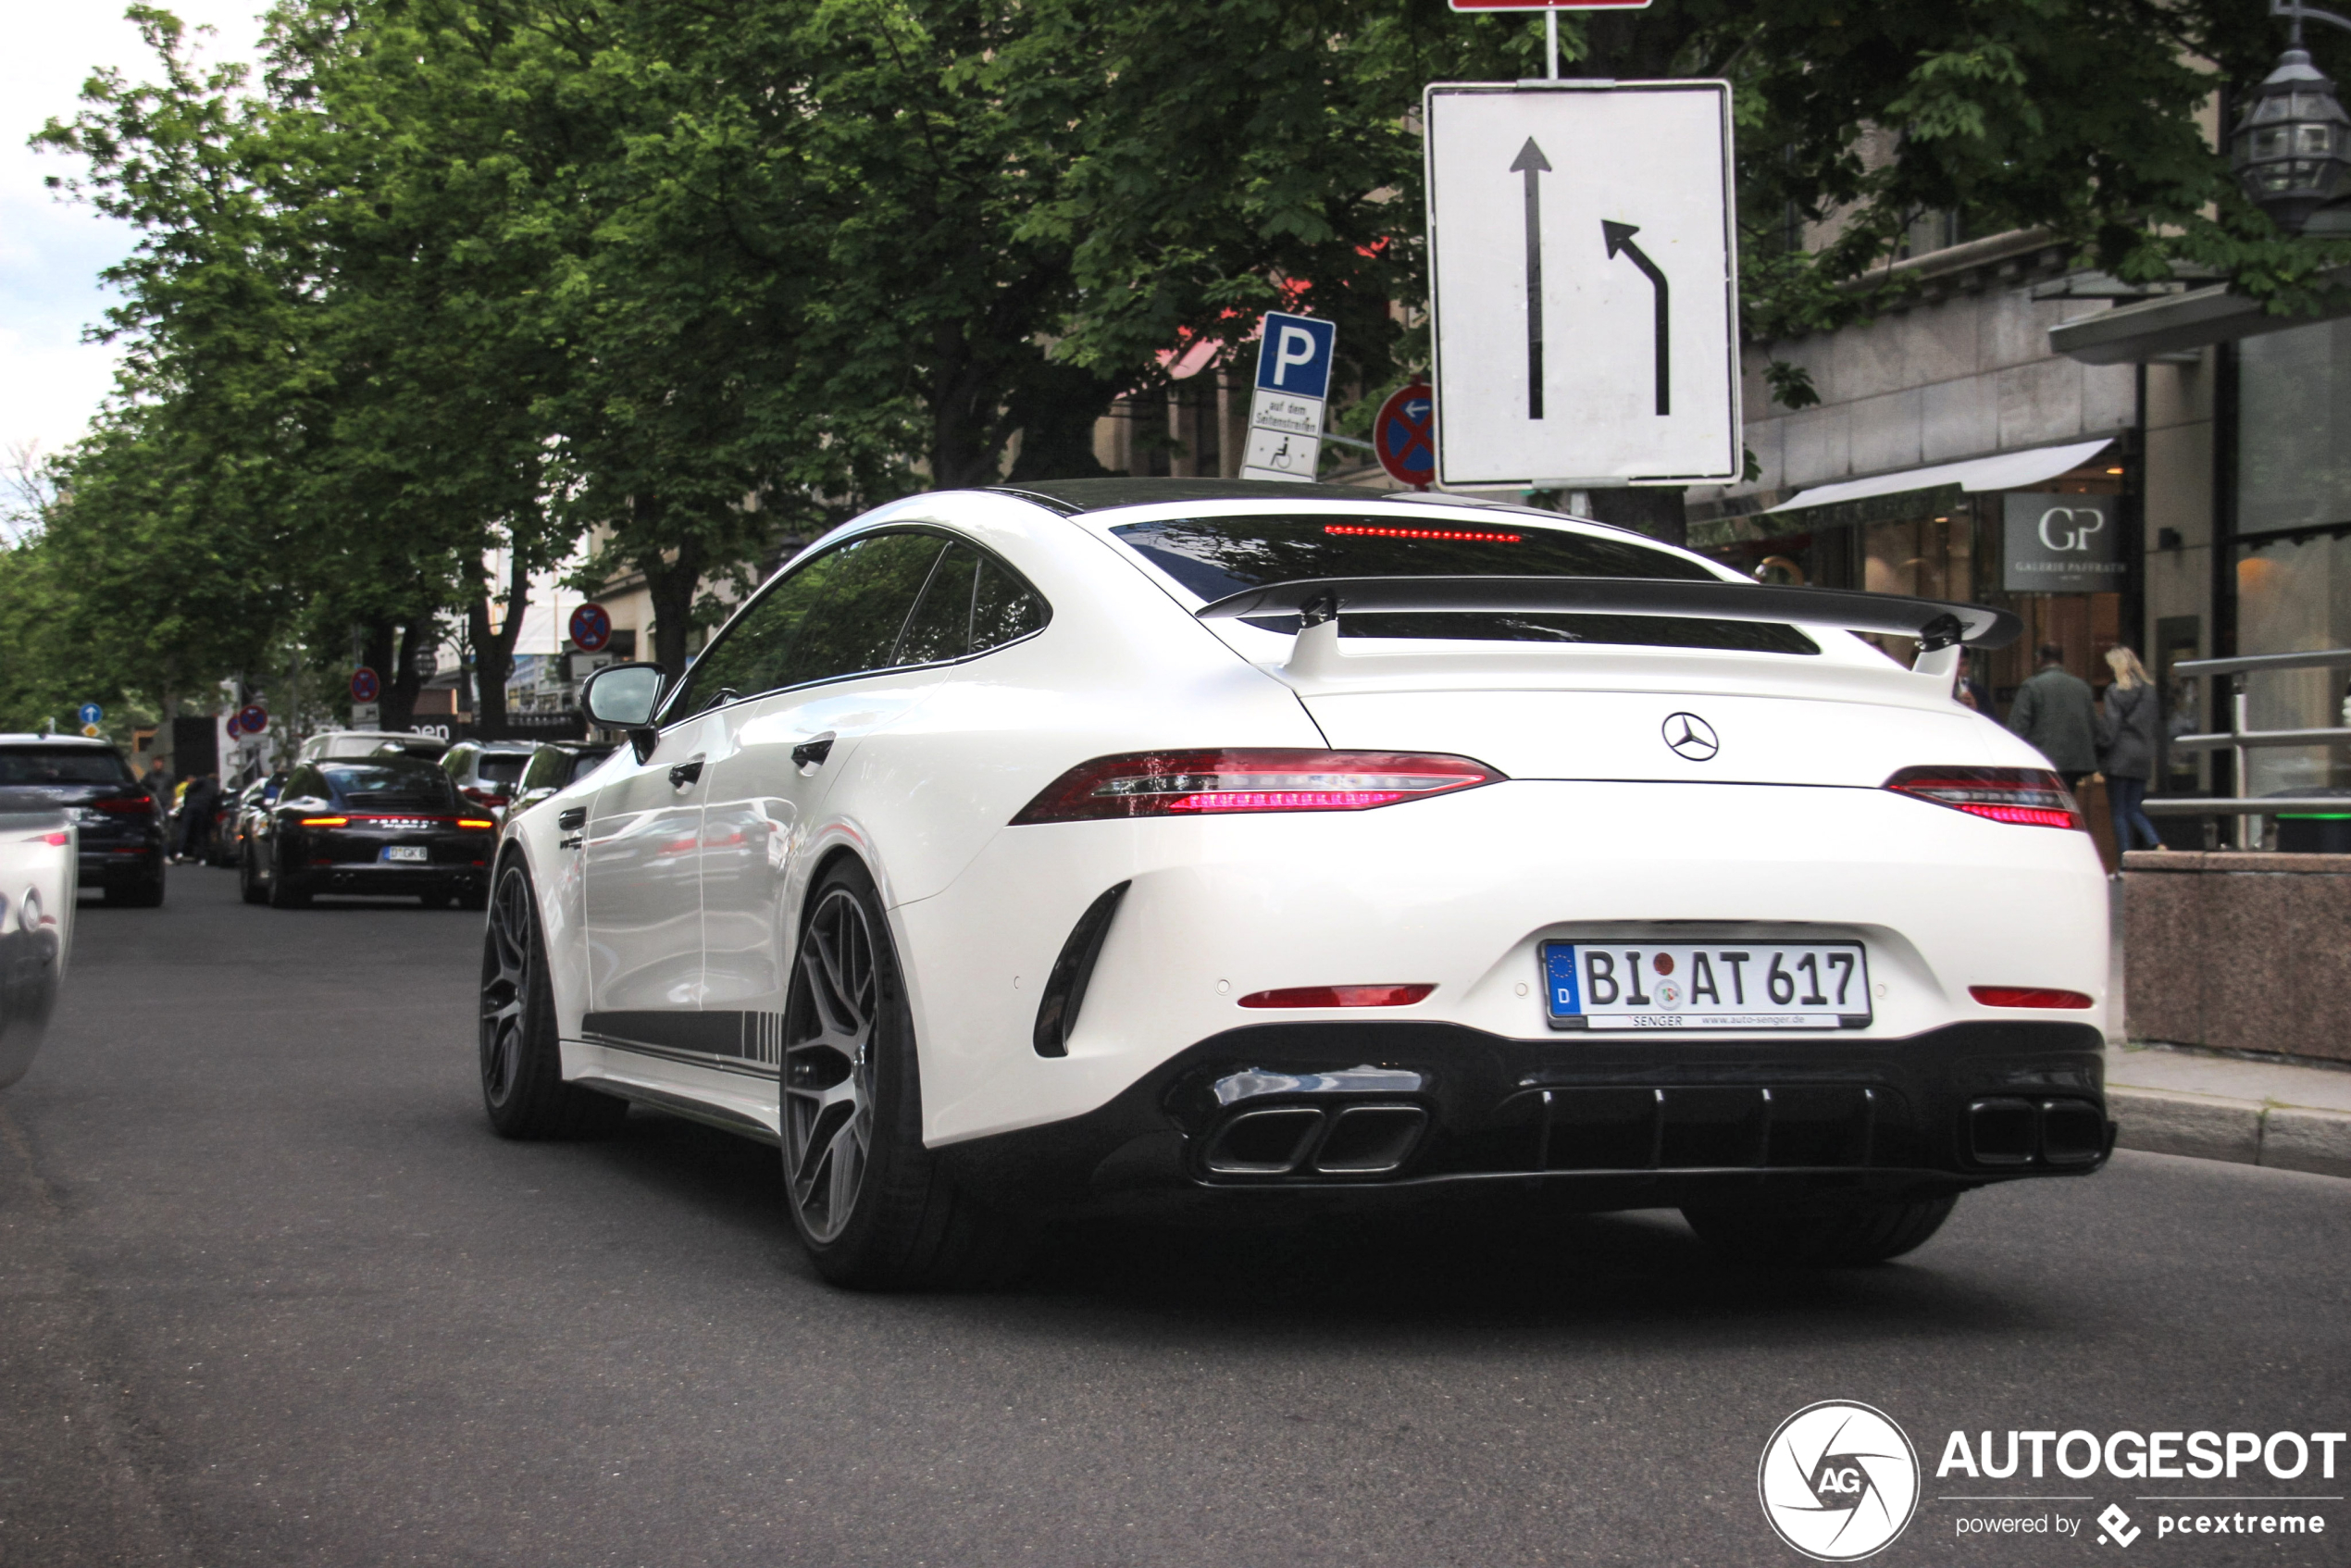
2221	1108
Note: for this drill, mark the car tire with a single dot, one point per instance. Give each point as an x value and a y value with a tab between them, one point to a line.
284	891
1820	1235
521	1060
249	887
871	1205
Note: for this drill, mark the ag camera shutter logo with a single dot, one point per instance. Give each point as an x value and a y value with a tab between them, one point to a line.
1839	1481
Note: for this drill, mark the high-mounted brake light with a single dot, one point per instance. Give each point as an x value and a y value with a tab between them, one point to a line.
1339	996
1209	783
2030	797
2026	996
326	822
1365	530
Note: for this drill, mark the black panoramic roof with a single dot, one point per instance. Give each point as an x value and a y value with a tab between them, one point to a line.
1070	497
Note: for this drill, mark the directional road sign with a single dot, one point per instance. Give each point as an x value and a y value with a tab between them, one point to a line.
1586	283
591	627
1294	356
90	712
1404	435
366	685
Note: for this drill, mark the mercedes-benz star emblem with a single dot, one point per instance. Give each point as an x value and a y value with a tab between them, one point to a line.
1690	738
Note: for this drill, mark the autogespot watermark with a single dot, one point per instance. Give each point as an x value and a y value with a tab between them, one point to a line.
1840	1480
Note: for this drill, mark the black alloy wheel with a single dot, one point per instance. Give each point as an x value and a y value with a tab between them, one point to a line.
522	1081
868	1201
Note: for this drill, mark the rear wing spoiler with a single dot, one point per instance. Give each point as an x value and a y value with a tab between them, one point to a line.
1935	623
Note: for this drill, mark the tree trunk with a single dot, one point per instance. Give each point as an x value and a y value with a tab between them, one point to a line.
1654	510
402	682
375	652
671	584
494	653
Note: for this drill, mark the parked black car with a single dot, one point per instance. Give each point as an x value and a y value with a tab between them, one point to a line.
121	825
376	826
555	765
246	808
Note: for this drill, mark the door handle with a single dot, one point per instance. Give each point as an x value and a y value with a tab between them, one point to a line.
812	751
685	773
571	817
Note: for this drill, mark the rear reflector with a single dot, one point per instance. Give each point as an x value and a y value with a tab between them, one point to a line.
2030	797
1339	996
1209	782
2026	996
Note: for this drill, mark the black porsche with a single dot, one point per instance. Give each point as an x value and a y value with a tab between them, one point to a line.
382	826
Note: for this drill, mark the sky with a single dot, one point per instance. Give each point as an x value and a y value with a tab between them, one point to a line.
51	251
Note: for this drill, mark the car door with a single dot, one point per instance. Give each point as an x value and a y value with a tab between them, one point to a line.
641	892
847	660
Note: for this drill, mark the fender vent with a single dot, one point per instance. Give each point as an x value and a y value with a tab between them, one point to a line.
1065	987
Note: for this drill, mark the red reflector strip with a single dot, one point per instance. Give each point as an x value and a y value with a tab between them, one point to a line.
1204	782
1339	996
1365	531
2027	996
2030	817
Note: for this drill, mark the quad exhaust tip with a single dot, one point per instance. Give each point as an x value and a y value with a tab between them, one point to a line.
2016	1133
1351	1141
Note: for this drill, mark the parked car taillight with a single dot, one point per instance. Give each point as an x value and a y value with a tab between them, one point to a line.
1213	782
2031	797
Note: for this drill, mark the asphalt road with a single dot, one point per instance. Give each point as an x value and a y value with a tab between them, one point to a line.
270	1292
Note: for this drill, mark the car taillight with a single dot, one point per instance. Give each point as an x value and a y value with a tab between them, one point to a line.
2026	996
57	840
2031	797
326	822
1206	783
133	805
475	822
1339	996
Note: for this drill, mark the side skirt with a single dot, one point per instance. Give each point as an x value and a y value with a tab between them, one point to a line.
736	1095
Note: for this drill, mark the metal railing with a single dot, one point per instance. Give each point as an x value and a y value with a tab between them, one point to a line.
2240	739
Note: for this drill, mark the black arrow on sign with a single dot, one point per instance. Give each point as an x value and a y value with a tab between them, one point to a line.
1620	238
1531	162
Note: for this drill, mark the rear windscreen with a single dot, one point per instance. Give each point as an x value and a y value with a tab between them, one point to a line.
390	782
61	765
1217	557
502	768
585	762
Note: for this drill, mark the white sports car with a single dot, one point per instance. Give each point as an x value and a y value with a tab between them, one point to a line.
1114	843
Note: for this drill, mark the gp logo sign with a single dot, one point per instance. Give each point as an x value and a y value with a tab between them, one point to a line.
1839	1481
2061	544
2066	528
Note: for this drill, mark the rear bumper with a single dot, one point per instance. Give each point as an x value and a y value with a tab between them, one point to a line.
119	864
365	878
1333	1113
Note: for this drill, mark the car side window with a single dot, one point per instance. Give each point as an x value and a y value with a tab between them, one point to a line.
973	603
835	616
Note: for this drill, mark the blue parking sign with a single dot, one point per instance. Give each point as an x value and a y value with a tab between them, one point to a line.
1294	355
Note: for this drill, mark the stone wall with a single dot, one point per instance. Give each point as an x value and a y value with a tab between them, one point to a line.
2239	952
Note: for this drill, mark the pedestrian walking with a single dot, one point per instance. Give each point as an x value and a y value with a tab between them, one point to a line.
2127	754
2056	712
196	809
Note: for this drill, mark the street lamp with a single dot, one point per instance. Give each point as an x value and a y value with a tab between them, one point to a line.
2293	146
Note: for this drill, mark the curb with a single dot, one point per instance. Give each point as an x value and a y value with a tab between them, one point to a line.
2247	1132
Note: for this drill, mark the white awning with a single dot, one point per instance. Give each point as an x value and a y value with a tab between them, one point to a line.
2010	470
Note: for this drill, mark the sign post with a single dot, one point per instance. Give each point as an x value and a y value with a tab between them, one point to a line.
1584	279
1293	385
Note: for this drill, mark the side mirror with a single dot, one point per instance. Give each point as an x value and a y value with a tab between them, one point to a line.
624	697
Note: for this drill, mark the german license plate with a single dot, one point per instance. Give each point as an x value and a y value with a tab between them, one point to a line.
1737	985
407	854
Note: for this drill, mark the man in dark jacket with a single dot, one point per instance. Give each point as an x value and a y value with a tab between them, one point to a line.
196	809
2055	712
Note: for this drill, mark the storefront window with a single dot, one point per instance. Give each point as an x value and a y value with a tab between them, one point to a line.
2294	596
2294	430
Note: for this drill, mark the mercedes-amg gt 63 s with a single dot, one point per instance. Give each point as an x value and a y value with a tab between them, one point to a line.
1115	846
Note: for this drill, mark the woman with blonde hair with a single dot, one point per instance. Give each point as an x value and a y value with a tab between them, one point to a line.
2126	753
